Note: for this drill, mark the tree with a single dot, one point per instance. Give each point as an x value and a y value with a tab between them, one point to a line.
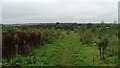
101	48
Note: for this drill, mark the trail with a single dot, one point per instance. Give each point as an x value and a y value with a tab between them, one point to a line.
65	52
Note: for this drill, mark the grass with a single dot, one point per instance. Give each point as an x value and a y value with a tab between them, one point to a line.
64	52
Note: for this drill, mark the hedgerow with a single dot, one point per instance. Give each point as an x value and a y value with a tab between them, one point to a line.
21	42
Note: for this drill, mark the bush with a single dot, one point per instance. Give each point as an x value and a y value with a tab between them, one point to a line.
87	37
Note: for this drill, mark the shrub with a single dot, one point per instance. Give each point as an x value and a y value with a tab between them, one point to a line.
87	37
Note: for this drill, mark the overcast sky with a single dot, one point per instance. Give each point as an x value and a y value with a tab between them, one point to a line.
34	11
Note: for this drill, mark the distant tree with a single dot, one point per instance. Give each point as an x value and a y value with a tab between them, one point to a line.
12	30
94	28
24	27
57	23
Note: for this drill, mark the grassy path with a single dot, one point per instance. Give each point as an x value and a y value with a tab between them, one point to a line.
64	52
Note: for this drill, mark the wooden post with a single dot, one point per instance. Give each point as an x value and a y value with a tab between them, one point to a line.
16	46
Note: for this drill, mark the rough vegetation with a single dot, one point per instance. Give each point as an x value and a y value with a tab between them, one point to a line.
58	45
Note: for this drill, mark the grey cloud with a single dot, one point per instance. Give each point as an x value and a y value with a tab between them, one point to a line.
20	12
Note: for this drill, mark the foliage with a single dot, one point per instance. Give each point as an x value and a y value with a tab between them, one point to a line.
47	44
22	41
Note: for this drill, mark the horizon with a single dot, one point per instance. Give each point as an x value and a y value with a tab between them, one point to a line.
61	22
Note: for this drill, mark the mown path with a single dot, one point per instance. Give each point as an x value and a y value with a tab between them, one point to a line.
65	52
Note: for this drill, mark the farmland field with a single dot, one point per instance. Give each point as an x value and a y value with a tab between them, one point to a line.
60	45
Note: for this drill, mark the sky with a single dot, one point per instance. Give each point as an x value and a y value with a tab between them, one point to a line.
64	11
